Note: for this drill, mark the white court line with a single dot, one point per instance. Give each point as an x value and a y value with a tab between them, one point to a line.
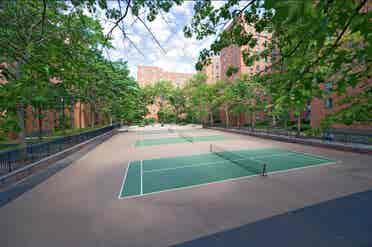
141	171
187	166
290	153
228	180
125	177
212	163
315	155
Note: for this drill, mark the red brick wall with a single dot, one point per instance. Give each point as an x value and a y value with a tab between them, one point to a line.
230	57
151	74
213	70
319	110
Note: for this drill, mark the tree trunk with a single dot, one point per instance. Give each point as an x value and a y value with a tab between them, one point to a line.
80	115
40	120
299	124
227	116
63	118
55	119
20	112
252	120
286	123
274	120
211	118
21	125
72	109
92	115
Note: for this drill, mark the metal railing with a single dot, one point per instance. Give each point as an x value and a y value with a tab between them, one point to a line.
331	135
20	157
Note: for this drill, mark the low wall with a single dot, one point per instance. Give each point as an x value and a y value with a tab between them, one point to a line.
359	148
22	173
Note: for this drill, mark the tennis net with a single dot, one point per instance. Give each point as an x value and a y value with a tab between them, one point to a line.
186	137
244	162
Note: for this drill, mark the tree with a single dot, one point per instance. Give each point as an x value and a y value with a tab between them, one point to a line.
316	41
167	97
51	59
225	96
178	100
201	98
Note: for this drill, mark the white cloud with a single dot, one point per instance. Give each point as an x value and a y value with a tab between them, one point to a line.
136	39
182	53
185	8
218	4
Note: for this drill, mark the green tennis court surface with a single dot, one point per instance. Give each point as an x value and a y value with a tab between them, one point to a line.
156	175
153	132
173	140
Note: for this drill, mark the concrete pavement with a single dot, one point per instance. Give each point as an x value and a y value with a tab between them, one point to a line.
79	205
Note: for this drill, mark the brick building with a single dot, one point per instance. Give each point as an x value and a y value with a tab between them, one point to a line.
232	57
318	108
149	75
213	70
76	116
330	104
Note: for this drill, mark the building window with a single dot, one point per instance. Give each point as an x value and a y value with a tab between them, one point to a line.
328	86
258	68
329	103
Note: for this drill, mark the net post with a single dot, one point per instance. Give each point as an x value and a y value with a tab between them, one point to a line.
264	172
210	148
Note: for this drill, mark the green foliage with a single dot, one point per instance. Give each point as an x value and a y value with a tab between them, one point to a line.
166	114
201	98
150	120
51	57
231	71
169	98
307	42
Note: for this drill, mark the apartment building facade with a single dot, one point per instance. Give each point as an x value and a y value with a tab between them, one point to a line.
213	70
232	57
77	115
317	109
149	75
332	102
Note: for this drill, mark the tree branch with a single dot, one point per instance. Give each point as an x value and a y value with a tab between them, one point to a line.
119	20
43	17
246	6
335	44
131	42
152	34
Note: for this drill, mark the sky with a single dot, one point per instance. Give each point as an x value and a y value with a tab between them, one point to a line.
180	53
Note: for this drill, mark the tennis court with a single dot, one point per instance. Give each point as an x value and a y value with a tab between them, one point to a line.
144	177
182	138
153	132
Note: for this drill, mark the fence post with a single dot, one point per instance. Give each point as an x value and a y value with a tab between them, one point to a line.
9	163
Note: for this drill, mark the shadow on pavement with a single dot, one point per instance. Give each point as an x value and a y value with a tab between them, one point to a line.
346	221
